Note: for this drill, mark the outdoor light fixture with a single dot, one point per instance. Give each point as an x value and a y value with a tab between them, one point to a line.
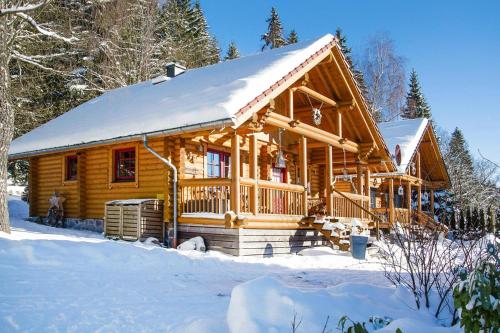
316	114
280	158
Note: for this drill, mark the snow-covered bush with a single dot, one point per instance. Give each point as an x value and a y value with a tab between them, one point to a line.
420	259
477	295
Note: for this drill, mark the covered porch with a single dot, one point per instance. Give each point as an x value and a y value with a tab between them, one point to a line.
282	172
402	198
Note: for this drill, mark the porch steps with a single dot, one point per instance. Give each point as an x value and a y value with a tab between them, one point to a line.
333	230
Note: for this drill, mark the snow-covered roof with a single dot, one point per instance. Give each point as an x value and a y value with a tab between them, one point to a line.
405	133
209	95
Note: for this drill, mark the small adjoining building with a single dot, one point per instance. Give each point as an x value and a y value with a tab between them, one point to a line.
409	192
256	143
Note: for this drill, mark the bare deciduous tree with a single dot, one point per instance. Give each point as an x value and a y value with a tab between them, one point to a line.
384	74
18	24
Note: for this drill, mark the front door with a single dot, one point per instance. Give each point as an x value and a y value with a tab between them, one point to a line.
279	176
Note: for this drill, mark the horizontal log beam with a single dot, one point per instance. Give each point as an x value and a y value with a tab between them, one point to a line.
316	95
311	132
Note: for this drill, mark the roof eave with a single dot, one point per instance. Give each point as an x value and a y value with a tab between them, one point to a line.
226	122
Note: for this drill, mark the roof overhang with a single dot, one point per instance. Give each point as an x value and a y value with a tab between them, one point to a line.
134	137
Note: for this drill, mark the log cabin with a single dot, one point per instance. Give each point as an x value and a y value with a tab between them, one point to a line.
239	152
408	194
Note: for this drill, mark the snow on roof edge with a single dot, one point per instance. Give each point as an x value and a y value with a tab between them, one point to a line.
406	133
283	62
221	122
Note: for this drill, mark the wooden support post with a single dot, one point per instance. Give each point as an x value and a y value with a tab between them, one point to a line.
329	180
432	203
419	198
303	170
235	173
339	123
33	186
419	171
290	103
391	201
359	178
82	184
408	199
367	186
419	175
254	191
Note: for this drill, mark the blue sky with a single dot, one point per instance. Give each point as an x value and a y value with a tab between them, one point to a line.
453	45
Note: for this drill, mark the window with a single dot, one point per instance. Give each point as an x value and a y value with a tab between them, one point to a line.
124	165
218	164
71	167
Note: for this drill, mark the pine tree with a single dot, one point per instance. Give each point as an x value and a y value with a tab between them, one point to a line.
461	223
452	222
416	106
232	52
475	219
347	51
273	38
205	45
458	148
468	219
482	220
460	167
185	35
292	37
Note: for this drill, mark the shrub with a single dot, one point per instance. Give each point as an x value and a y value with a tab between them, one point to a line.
477	295
346	325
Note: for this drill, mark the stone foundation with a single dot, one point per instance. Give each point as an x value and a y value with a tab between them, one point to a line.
95	225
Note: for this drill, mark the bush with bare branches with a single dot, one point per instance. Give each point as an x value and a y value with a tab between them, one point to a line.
421	259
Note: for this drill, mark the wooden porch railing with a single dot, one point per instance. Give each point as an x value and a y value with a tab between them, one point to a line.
401	215
350	205
212	195
350	201
273	198
207	195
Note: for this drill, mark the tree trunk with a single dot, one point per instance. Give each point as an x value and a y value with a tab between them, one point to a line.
6	124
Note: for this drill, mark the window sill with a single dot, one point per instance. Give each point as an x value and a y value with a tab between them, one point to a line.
123	184
69	182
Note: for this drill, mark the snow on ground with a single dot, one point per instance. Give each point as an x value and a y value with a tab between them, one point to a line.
16	190
59	280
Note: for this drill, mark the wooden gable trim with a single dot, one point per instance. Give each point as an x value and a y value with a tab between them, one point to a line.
280	86
362	107
439	157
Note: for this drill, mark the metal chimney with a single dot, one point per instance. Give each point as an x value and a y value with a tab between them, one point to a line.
174	69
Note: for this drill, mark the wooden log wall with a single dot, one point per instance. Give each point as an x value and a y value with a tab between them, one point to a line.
85	197
33	186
